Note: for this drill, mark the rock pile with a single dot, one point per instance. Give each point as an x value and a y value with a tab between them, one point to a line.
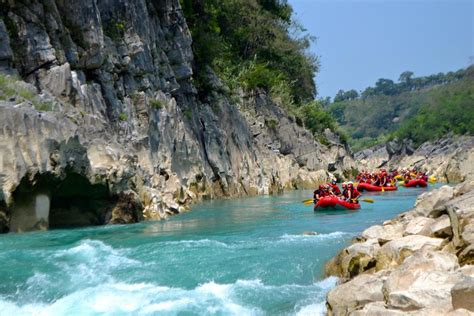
420	263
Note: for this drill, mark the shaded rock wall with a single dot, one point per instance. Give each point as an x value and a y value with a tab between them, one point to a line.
114	103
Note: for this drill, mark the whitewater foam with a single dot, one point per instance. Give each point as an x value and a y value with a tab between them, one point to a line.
147	298
313	238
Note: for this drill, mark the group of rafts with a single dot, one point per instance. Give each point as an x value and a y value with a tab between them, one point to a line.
330	196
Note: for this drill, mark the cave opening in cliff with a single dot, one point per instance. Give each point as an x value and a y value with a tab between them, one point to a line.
45	201
76	202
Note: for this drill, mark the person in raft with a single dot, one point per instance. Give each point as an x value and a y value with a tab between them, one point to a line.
344	190
352	195
318	194
334	188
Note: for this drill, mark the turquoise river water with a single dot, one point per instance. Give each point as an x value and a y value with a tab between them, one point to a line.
231	257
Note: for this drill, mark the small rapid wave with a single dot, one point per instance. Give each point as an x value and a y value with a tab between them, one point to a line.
239	298
286	238
318	237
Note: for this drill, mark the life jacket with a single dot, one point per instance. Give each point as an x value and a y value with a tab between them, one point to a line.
336	189
345	193
354	193
317	192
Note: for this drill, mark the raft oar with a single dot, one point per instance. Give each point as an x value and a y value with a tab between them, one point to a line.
368	200
307	200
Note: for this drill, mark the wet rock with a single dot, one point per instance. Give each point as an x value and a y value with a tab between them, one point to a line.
310	233
360	257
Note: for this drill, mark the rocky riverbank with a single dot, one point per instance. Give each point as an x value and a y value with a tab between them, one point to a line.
451	158
419	263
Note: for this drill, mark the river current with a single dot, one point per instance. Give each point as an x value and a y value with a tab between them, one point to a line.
228	257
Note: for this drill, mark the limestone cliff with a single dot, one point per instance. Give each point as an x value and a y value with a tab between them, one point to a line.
109	129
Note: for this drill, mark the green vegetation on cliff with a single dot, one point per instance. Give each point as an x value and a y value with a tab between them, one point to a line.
256	45
423	108
250	41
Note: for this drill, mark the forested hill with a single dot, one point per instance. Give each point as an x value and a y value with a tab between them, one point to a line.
418	108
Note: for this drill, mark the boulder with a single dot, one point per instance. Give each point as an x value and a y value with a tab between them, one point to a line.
350	296
431	204
419	226
394	252
441	227
360	257
424	280
383	233
468	233
463	188
463	294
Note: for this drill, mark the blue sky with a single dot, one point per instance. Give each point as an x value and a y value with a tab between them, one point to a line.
360	41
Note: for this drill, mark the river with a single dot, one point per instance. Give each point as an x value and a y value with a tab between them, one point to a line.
230	257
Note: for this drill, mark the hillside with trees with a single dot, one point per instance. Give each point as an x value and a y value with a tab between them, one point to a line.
419	108
256	45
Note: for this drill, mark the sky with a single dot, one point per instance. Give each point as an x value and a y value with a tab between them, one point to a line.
360	41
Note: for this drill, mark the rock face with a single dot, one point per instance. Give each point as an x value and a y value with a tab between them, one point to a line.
450	159
421	264
111	116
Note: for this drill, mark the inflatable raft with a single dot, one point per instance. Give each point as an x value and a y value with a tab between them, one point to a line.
333	202
370	187
415	183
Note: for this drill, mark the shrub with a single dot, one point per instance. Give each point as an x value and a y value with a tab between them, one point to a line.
123	117
157	104
271	124
188	113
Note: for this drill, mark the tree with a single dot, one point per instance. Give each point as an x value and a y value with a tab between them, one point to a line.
385	86
405	77
346	96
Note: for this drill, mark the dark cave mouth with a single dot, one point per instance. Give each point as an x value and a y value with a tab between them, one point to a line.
47	202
